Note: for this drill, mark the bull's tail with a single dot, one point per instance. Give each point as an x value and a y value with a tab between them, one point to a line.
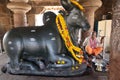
1	49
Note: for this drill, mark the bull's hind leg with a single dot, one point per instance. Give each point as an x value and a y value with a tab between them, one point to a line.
14	49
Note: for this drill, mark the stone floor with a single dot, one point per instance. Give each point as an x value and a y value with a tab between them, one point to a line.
4	59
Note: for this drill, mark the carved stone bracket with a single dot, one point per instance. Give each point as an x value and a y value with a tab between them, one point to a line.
19	7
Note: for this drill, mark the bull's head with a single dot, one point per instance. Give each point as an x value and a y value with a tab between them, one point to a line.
75	15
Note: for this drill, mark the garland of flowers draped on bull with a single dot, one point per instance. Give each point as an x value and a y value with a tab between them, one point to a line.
63	30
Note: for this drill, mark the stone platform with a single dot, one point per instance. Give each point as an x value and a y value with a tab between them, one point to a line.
4	59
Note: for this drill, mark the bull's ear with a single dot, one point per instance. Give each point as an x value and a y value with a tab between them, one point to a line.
66	5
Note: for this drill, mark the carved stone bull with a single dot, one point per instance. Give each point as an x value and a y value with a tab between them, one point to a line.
36	50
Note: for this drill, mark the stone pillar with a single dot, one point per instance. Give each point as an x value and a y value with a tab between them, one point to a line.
115	43
90	7
31	14
19	8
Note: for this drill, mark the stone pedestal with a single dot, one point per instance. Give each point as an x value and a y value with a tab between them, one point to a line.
19	8
90	7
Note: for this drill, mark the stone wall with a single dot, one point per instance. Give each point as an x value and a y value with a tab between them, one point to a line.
5	20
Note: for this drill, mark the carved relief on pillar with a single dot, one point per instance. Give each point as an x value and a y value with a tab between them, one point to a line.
115	44
115	37
116	15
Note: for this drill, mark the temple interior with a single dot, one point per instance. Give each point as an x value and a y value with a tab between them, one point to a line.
103	17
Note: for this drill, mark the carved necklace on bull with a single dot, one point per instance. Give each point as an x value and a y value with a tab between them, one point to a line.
62	27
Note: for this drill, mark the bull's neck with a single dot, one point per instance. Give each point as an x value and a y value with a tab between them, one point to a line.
73	32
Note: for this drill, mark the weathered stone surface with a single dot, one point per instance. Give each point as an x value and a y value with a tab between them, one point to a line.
115	44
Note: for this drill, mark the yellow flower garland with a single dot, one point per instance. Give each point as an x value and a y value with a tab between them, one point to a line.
76	52
77	4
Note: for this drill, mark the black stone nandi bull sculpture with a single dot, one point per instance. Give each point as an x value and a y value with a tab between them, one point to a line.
41	50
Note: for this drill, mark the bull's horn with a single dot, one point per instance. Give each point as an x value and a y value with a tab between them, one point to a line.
66	5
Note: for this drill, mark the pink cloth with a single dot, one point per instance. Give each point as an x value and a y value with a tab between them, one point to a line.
93	43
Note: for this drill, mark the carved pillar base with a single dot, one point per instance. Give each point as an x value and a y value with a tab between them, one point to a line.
20	9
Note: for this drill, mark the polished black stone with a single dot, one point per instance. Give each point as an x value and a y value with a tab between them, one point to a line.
36	50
